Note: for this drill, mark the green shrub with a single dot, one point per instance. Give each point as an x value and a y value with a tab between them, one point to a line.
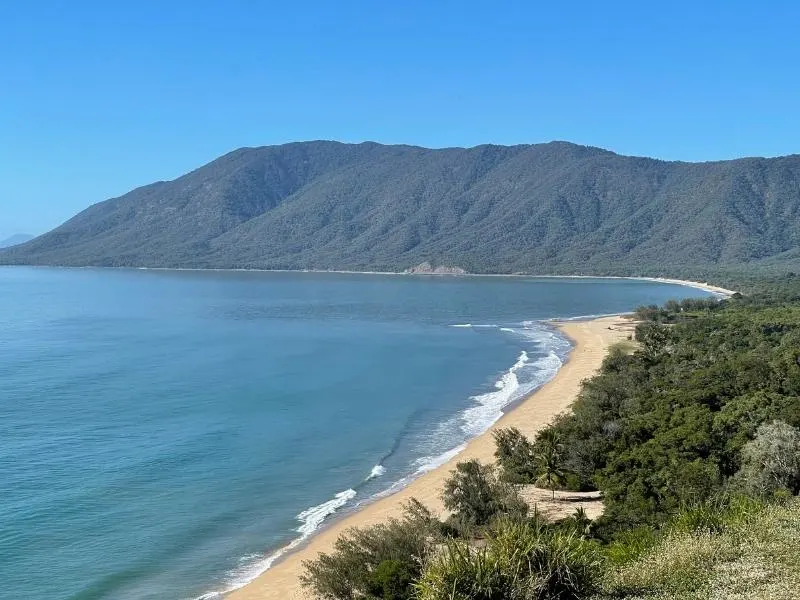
476	496
771	461
382	561
520	561
466	573
514	453
392	580
629	544
705	517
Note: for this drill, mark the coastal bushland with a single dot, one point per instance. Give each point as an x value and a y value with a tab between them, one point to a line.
382	561
476	496
691	432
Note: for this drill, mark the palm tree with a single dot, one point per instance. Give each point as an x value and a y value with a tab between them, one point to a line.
548	460
583	524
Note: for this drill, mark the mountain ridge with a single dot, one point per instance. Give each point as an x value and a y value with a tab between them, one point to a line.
15	240
557	208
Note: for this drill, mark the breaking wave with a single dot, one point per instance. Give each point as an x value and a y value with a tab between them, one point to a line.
252	566
376	472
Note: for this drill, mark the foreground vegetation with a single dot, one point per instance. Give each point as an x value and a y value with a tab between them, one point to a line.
748	553
692	433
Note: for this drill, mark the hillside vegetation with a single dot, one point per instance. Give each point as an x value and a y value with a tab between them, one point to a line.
692	434
546	208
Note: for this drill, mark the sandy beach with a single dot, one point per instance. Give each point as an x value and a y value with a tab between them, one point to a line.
706	287
591	341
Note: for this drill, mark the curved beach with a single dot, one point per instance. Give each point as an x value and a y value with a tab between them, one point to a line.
591	341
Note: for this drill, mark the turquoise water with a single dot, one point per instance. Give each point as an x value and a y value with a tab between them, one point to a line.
165	433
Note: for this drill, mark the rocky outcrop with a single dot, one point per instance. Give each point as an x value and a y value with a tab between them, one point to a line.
426	268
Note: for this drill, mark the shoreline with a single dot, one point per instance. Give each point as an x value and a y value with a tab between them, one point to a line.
590	342
699	285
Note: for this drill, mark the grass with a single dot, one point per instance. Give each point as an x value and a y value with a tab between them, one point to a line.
520	561
748	554
625	347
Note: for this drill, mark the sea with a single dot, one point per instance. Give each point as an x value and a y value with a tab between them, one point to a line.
170	434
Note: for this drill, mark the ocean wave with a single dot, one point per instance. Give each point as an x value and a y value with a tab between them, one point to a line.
251	566
488	406
429	463
313	517
376	472
421	466
478	326
522	378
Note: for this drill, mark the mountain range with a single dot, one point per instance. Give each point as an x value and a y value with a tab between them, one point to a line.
545	208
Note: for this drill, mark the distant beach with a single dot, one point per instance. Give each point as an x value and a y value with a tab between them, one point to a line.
699	285
591	339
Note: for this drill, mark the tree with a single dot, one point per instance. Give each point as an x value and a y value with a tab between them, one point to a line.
771	461
580	521
514	453
378	562
475	496
548	456
653	337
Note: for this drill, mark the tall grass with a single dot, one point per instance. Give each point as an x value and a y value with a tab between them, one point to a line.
744	551
520	561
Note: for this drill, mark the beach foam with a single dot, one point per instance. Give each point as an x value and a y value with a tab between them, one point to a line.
253	565
586	317
520	379
422	465
313	517
429	463
489	406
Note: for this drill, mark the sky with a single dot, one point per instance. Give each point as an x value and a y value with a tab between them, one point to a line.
97	98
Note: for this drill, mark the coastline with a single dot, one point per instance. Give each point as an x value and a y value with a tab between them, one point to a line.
706	287
591	340
698	285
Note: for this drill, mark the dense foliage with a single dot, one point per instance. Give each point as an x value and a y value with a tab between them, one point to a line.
379	562
519	561
664	427
549	208
475	496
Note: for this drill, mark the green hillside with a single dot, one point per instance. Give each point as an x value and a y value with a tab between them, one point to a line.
546	208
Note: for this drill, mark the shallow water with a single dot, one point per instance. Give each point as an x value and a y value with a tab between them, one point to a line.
164	433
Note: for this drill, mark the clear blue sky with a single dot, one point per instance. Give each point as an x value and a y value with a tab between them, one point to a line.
99	97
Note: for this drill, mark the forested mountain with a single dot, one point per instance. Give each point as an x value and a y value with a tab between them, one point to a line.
545	208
